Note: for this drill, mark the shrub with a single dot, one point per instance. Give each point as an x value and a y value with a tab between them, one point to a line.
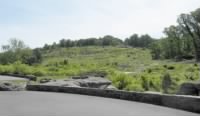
171	67
134	86
165	66
65	62
19	68
145	83
39	73
191	69
114	63
53	69
125	82
196	65
189	76
7	69
166	82
120	80
149	70
1	70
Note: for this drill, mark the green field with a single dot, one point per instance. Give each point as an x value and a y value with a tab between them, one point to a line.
129	69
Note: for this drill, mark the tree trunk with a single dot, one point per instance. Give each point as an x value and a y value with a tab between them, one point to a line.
195	43
198	54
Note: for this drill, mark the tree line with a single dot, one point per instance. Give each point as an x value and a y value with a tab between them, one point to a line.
182	41
16	50
134	41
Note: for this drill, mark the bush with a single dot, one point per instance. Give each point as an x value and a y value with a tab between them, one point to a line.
145	83
20	68
65	62
126	82
149	70
120	80
166	82
171	67
191	69
1	70
7	69
165	66
115	63
53	69
39	73
134	86
196	65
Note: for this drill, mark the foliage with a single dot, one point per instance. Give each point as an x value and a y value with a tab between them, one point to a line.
128	64
166	82
135	41
181	41
143	41
16	50
115	62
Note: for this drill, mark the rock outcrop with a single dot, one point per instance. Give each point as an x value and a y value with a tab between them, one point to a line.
8	86
83	81
190	88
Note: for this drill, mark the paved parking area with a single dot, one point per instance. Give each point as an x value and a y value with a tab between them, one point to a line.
27	103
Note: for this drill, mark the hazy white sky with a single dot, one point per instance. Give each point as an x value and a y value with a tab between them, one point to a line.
44	21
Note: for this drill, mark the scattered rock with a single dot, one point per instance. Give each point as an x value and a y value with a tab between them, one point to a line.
45	80
111	87
95	74
83	81
7	86
79	77
63	83
31	77
152	92
189	89
94	82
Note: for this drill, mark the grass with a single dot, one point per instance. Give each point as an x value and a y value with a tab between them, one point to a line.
130	69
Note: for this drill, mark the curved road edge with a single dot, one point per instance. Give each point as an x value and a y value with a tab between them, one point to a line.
187	103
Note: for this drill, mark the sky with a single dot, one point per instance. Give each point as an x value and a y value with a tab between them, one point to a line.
37	22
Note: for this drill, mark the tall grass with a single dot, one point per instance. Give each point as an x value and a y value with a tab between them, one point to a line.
145	73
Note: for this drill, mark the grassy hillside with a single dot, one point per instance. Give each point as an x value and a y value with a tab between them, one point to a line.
128	68
122	59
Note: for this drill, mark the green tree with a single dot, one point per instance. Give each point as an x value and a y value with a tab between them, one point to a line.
190	23
16	50
174	35
156	49
143	41
14	45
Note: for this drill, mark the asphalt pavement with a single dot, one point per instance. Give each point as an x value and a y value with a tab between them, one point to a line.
27	103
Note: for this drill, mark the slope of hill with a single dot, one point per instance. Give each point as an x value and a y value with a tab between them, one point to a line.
128	68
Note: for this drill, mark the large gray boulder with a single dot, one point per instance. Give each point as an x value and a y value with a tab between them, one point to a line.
63	83
83	81
45	80
190	88
94	82
8	86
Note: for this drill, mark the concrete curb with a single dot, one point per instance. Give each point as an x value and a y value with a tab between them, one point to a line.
188	103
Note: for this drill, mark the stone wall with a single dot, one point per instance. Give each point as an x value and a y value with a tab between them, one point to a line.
188	103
